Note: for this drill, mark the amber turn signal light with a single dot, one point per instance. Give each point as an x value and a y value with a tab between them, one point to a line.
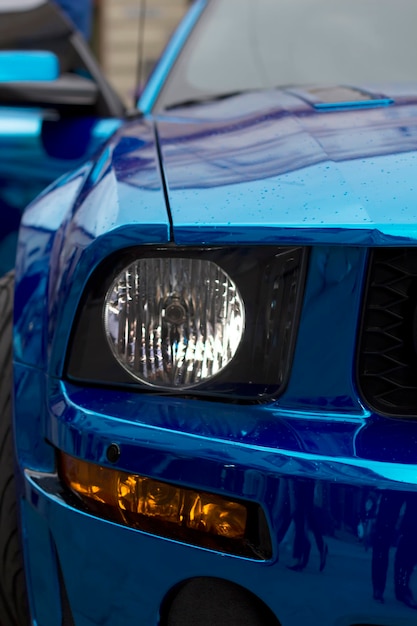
161	508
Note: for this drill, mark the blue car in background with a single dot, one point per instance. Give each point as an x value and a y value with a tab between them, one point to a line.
209	372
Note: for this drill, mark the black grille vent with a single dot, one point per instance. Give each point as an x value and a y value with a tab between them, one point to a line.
388	346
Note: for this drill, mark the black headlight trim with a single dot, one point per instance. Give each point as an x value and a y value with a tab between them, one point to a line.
271	281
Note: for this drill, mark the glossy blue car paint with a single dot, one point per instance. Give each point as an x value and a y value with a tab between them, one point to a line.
286	173
124	182
260	168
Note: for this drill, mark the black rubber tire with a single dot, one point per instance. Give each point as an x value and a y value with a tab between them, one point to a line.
13	597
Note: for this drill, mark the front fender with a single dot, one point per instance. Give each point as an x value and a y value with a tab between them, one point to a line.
115	201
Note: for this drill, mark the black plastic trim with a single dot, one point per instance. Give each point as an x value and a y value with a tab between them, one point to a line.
261	366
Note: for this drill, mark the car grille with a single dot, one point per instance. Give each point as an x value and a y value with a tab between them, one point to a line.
387	363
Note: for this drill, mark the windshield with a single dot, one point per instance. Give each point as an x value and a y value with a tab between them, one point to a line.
253	44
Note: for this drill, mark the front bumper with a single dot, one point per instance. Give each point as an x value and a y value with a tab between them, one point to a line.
114	575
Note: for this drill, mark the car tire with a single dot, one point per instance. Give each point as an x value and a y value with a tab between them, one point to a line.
13	597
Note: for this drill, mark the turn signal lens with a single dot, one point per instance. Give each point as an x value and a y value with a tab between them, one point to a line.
200	511
173	322
161	508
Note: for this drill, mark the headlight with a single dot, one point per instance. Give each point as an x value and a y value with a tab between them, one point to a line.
173	322
213	322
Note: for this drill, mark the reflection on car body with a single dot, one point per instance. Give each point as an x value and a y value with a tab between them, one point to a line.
214	329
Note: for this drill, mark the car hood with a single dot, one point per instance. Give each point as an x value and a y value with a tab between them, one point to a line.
305	165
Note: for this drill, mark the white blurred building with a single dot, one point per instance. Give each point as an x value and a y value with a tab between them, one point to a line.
118	27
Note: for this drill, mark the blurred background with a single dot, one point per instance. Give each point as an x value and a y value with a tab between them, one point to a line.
115	38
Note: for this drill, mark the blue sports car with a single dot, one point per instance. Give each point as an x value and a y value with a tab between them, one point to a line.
209	373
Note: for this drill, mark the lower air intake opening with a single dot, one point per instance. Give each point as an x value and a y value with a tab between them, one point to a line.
215	602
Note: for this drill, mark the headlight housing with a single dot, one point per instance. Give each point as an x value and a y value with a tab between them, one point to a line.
215	321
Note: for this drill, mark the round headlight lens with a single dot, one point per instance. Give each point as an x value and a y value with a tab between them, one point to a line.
173	322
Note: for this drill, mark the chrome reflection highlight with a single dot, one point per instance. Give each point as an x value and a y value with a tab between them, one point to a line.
173	322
